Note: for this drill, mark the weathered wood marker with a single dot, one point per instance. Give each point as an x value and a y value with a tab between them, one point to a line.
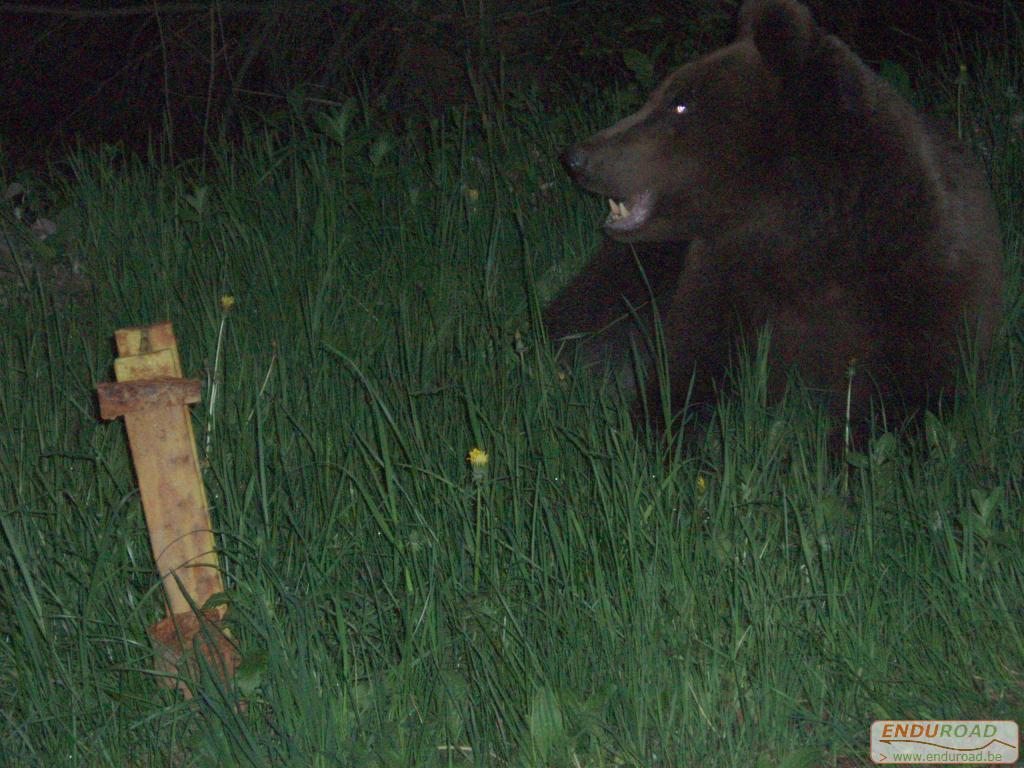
153	398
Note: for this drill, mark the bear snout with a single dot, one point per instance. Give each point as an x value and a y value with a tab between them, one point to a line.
575	161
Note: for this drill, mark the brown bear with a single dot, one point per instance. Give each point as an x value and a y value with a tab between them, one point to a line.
778	181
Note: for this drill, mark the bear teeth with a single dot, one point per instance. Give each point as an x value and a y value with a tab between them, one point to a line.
619	210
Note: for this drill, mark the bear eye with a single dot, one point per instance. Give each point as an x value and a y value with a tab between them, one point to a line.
680	109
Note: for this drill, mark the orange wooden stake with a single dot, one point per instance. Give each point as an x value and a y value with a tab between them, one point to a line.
153	399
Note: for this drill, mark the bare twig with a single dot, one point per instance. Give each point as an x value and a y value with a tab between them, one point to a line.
209	82
168	115
140	10
238	78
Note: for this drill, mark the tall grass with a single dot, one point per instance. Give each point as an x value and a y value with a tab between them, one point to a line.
591	598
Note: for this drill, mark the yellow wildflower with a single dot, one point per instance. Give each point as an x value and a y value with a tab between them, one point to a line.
477	459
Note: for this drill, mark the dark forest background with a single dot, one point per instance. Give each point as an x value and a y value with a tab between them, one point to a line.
128	72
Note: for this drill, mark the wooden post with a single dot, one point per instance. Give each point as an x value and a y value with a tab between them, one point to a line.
153	398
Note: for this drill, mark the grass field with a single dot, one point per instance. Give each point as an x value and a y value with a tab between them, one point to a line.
590	598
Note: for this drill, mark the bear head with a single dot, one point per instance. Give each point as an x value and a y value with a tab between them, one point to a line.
689	160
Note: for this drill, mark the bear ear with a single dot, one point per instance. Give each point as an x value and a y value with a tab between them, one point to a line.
783	32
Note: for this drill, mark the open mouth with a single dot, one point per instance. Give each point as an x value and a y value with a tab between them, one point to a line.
629	214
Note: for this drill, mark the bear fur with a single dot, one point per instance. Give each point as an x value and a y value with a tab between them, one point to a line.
779	182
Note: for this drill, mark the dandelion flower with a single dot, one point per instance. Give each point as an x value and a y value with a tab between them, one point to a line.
477	459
